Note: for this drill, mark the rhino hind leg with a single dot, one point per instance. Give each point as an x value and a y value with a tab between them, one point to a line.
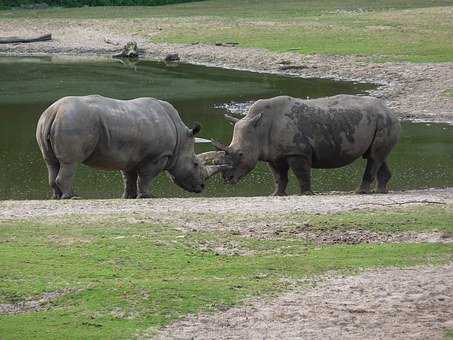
280	172
383	177
65	179
301	167
52	169
372	167
130	184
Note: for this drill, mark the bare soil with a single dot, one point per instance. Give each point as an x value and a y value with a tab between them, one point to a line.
413	90
414	303
36	304
177	209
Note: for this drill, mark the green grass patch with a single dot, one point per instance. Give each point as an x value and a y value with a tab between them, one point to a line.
448	93
142	276
424	218
388	30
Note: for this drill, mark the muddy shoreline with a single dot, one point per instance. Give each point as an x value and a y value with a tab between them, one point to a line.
415	91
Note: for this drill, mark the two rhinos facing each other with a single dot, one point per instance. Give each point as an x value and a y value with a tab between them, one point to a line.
139	137
144	136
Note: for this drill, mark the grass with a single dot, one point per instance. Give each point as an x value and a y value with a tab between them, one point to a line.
418	31
137	277
448	93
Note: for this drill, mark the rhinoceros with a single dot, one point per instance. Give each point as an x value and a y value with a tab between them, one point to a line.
140	137
290	133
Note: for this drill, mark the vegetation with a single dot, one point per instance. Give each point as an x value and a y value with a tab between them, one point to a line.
128	279
384	30
79	3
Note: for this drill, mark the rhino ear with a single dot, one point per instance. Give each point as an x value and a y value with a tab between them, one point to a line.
256	120
196	128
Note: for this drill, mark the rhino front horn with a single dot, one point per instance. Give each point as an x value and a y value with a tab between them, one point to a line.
211	170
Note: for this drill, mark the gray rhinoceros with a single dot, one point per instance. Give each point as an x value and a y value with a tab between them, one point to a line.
322	133
140	137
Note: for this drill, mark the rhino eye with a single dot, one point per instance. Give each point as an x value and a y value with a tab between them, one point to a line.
240	154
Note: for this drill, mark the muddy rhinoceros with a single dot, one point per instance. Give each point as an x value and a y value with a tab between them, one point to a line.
140	137
322	133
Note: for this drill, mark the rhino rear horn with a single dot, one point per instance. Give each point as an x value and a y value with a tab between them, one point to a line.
219	146
231	119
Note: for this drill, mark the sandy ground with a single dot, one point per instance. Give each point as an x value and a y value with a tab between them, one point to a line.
178	208
414	91
415	303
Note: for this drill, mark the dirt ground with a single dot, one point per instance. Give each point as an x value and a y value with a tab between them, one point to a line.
176	209
414	91
414	303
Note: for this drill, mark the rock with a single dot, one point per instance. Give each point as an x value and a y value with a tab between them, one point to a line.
172	57
130	50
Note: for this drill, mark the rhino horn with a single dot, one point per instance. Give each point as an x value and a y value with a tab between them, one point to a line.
214	157
219	146
211	170
231	119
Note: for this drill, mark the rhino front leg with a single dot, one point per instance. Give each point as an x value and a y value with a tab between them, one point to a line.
301	167
130	184
280	172
65	179
145	175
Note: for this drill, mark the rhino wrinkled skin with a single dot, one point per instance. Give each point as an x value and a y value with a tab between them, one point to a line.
140	137
290	133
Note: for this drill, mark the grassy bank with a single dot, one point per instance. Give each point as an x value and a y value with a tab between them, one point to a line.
385	30
127	278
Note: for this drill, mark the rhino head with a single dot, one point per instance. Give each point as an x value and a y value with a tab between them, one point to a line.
190	170
242	155
187	171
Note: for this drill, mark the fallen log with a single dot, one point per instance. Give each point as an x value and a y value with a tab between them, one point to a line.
17	40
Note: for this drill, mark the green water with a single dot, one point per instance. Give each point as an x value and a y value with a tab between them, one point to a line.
424	157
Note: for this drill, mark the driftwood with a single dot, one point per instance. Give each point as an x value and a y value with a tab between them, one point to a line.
130	50
17	40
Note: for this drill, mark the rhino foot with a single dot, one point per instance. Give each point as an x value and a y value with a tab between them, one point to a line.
68	196
307	192
363	191
129	196
144	195
382	191
279	193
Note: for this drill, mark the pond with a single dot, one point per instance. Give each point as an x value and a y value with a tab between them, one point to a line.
29	85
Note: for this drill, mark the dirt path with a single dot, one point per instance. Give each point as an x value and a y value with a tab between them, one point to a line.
415	303
415	91
177	208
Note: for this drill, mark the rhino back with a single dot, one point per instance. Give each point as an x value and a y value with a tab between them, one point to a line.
334	130
112	134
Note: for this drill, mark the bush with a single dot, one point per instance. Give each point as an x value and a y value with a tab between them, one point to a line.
79	3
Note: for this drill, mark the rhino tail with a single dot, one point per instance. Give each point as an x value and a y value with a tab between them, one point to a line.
43	134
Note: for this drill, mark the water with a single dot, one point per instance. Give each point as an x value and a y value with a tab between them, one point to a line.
29	85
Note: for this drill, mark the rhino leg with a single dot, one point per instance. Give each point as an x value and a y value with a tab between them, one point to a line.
372	167
145	174
383	177
301	167
280	172
65	179
130	184
52	169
